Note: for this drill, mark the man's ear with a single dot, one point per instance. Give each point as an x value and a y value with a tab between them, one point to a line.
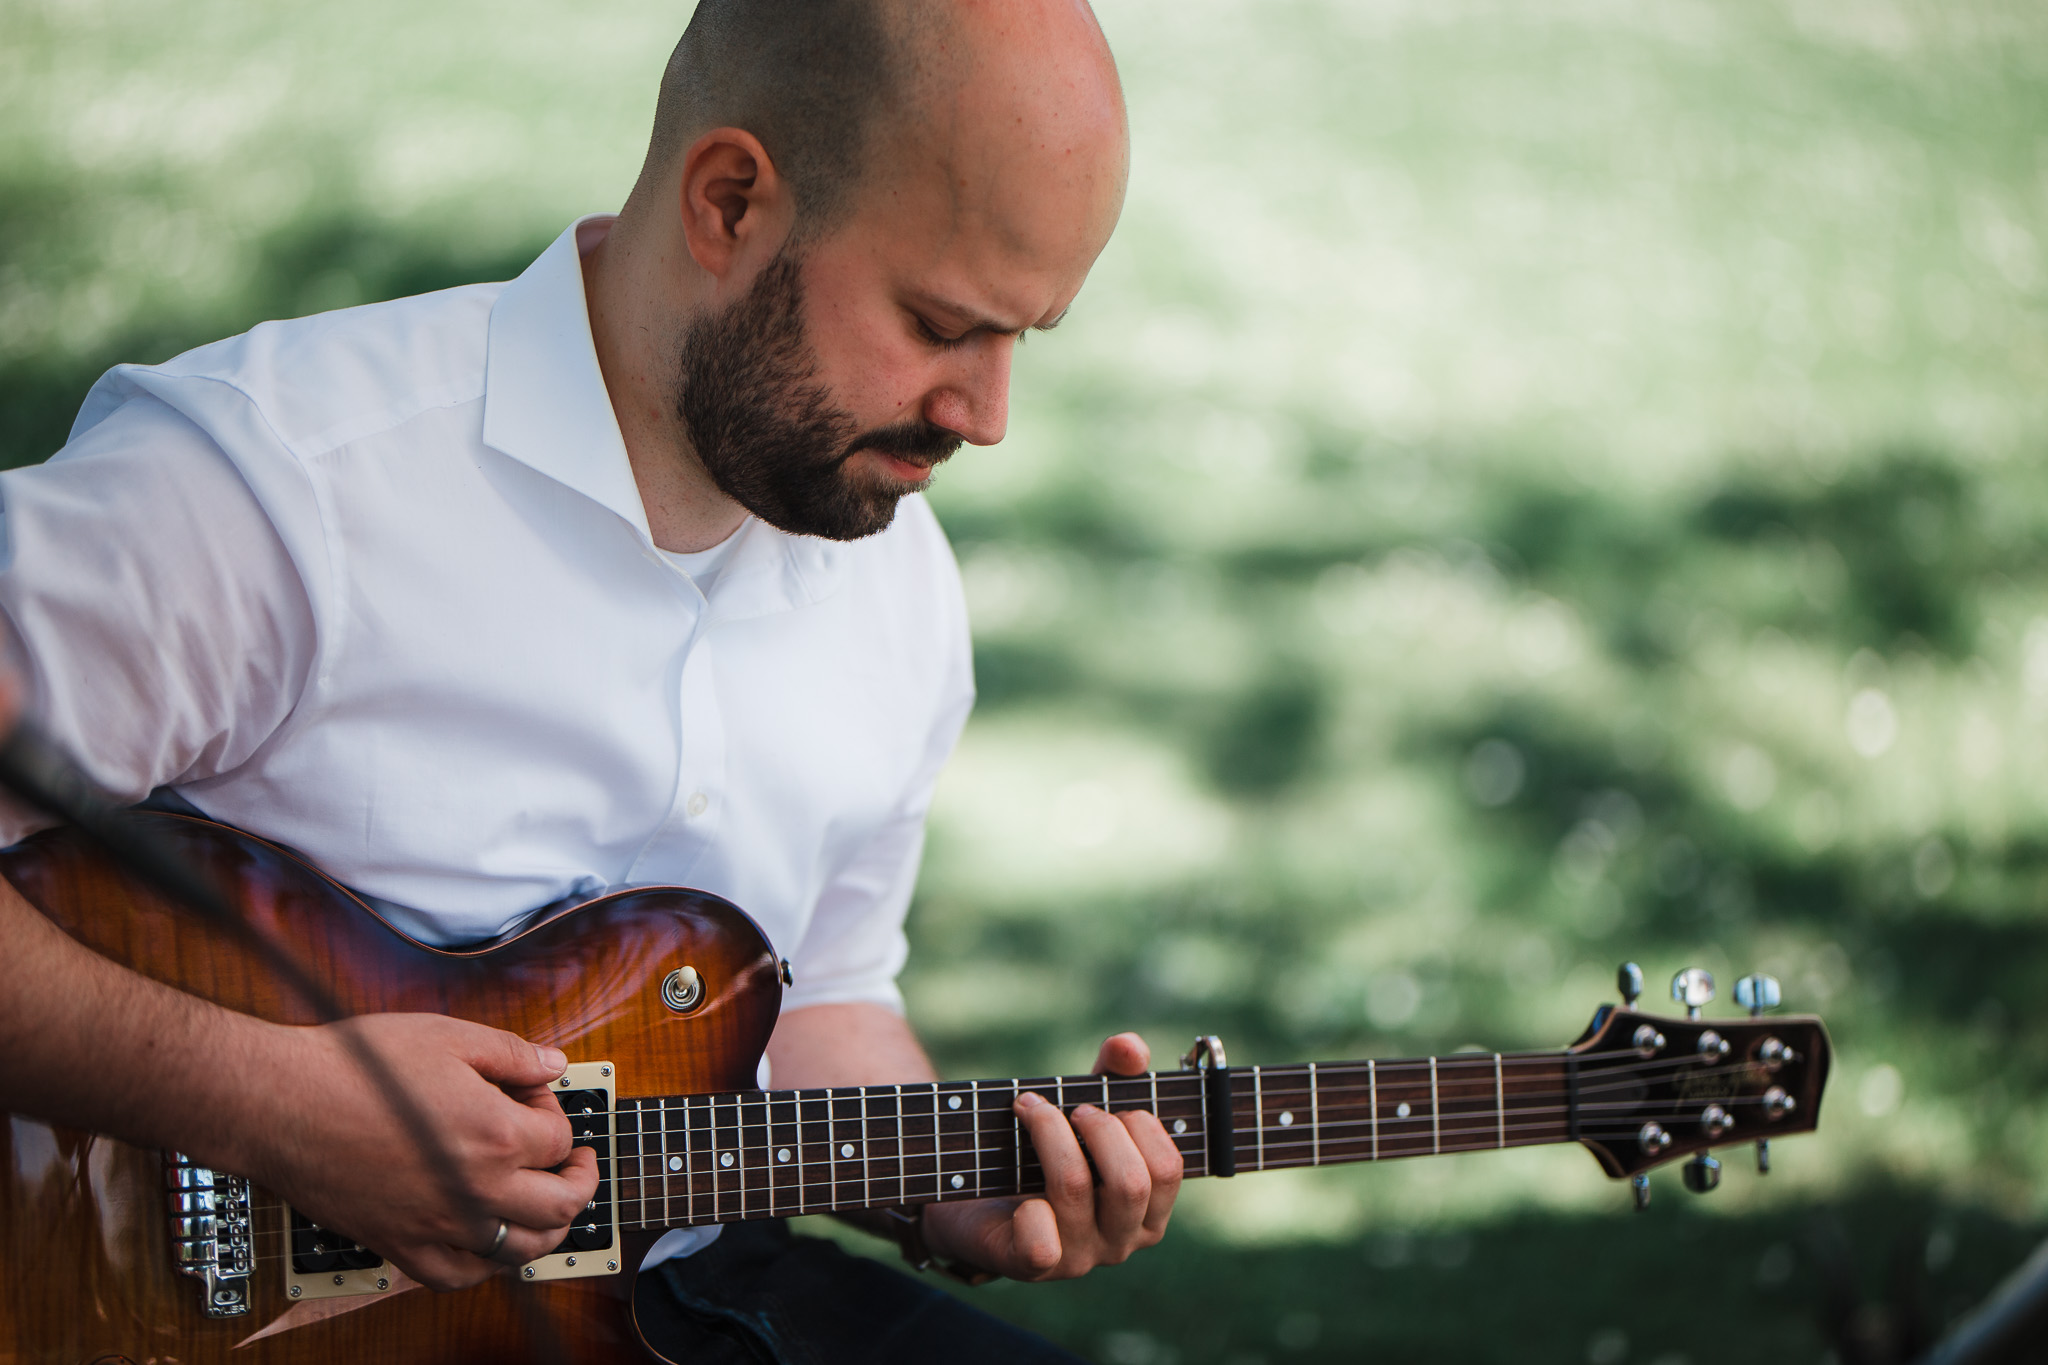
736	207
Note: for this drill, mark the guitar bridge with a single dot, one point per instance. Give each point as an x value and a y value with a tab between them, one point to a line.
210	1232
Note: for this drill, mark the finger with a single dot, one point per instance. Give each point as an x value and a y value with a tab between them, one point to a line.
1163	1163
505	1058
1069	1184
547	1200
508	1132
1123	1054
1123	1180
1035	1239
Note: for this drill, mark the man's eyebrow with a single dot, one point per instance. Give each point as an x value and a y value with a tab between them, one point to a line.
974	322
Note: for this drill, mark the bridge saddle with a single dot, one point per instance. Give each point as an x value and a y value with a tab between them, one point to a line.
210	1232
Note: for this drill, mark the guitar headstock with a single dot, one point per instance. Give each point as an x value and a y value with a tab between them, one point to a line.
1652	1090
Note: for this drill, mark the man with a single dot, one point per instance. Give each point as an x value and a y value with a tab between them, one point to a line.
614	574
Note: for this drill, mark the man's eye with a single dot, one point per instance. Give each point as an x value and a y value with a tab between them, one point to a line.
933	338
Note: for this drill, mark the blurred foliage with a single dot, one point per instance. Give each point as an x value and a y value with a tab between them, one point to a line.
1529	485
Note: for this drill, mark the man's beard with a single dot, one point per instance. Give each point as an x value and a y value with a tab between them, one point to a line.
766	430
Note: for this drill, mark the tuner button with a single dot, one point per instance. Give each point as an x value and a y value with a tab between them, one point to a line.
1714	1120
1773	1054
1712	1047
1647	1040
1702	1173
1777	1103
1640	1184
1628	979
1757	993
1693	988
1652	1138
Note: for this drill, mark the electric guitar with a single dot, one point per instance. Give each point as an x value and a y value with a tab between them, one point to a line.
664	998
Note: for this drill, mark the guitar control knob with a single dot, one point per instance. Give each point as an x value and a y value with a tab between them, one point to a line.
1693	988
1702	1173
1714	1120
1647	1040
1712	1047
1652	1138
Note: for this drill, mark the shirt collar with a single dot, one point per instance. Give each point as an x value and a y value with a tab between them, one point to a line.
545	405
545	402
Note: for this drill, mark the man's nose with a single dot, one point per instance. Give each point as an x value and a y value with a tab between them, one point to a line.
973	398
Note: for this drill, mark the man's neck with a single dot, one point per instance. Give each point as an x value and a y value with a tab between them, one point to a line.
634	334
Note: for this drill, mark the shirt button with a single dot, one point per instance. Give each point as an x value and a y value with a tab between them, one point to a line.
699	803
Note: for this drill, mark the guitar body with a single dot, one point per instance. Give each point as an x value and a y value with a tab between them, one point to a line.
86	1268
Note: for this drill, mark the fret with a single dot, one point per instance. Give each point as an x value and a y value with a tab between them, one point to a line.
1028	1173
1436	1110
957	1126
662	1167
1179	1108
625	1188
885	1147
1258	1119
1315	1120
726	1143
1017	1177
848	1153
749	1144
814	1147
917	1145
1500	1101
1372	1086
785	1176
1286	1106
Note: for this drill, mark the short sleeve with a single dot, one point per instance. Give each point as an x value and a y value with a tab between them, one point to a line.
166	631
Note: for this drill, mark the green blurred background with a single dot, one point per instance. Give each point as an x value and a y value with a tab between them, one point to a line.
1530	484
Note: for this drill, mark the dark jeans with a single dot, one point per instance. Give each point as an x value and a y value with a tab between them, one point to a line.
762	1296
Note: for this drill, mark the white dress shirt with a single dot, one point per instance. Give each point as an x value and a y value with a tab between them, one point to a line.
378	585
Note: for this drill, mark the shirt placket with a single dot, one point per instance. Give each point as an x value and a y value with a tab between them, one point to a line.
698	806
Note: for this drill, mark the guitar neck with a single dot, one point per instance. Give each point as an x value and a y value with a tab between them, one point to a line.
697	1159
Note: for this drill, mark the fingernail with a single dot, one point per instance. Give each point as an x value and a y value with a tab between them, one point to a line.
555	1059
1029	1100
1081	1109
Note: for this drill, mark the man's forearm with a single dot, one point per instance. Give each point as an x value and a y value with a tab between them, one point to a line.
90	1044
825	1045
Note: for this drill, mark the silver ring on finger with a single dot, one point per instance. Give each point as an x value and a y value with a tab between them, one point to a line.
498	1242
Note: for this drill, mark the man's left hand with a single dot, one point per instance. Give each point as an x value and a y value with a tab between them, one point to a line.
1085	1218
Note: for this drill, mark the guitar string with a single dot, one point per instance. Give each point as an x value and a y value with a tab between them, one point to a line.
1482	1062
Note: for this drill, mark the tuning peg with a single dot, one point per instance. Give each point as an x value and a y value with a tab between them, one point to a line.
1640	1184
1757	993
1702	1173
1693	988
1628	979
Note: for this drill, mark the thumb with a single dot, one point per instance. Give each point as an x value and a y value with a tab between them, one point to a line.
508	1059
1123	1054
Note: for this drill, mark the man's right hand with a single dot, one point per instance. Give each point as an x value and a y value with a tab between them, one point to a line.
325	1138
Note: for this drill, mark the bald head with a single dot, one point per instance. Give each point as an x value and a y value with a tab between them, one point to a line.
832	87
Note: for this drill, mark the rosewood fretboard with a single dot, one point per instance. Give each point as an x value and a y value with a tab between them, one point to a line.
765	1154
